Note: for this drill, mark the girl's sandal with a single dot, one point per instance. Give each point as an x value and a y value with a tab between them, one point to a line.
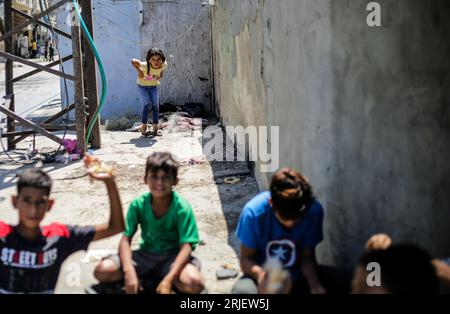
157	133
146	134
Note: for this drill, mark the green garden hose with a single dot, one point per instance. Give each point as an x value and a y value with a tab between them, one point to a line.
100	66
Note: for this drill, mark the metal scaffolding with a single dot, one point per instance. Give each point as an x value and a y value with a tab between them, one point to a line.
84	78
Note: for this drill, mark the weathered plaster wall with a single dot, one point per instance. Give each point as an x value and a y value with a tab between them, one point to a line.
363	112
117	42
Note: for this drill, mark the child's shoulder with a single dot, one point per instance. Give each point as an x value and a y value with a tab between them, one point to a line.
141	199
56	230
316	209
5	229
258	205
180	202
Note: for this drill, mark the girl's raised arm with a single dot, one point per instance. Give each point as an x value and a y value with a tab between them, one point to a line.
136	62
137	65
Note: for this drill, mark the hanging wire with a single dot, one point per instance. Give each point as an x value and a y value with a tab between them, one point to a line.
182	36
43	6
8	155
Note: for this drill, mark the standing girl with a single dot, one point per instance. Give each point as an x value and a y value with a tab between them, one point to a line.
150	74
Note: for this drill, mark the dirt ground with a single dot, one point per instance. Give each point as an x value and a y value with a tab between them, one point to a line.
78	201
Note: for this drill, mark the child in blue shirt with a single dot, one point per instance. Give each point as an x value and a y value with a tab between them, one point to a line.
285	224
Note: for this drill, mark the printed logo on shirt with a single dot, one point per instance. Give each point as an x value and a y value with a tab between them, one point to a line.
26	259
283	250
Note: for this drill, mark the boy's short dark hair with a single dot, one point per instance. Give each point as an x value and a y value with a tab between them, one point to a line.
405	269
291	194
34	178
162	161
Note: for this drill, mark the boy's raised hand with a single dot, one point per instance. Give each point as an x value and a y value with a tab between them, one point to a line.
97	170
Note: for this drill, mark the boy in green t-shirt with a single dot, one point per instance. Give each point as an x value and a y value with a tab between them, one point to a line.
169	235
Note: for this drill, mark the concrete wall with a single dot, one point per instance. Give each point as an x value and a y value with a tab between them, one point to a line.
127	29
117	44
364	112
182	30
117	38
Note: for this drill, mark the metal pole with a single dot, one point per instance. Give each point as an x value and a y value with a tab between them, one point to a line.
9	74
80	115
213	74
90	73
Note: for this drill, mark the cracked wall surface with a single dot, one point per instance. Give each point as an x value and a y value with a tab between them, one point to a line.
363	112
181	29
117	44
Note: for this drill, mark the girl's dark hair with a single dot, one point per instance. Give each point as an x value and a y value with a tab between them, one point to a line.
161	161
405	269
34	178
154	52
291	194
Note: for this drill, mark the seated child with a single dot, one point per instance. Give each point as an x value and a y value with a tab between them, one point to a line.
383	241
169	235
402	269
31	255
284	223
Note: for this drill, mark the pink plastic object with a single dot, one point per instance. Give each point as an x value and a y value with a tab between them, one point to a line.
70	146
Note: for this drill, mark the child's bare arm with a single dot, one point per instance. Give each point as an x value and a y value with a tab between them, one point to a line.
129	272
165	286
116	223
137	65
442	271
248	266
308	265
125	254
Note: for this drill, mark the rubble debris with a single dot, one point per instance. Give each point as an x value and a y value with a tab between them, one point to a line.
232	173
195	110
71	146
121	124
136	127
232	180
193	161
226	272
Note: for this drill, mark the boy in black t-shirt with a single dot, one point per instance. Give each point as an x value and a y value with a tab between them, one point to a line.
30	255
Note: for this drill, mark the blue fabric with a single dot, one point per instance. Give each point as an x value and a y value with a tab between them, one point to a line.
149	95
259	229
